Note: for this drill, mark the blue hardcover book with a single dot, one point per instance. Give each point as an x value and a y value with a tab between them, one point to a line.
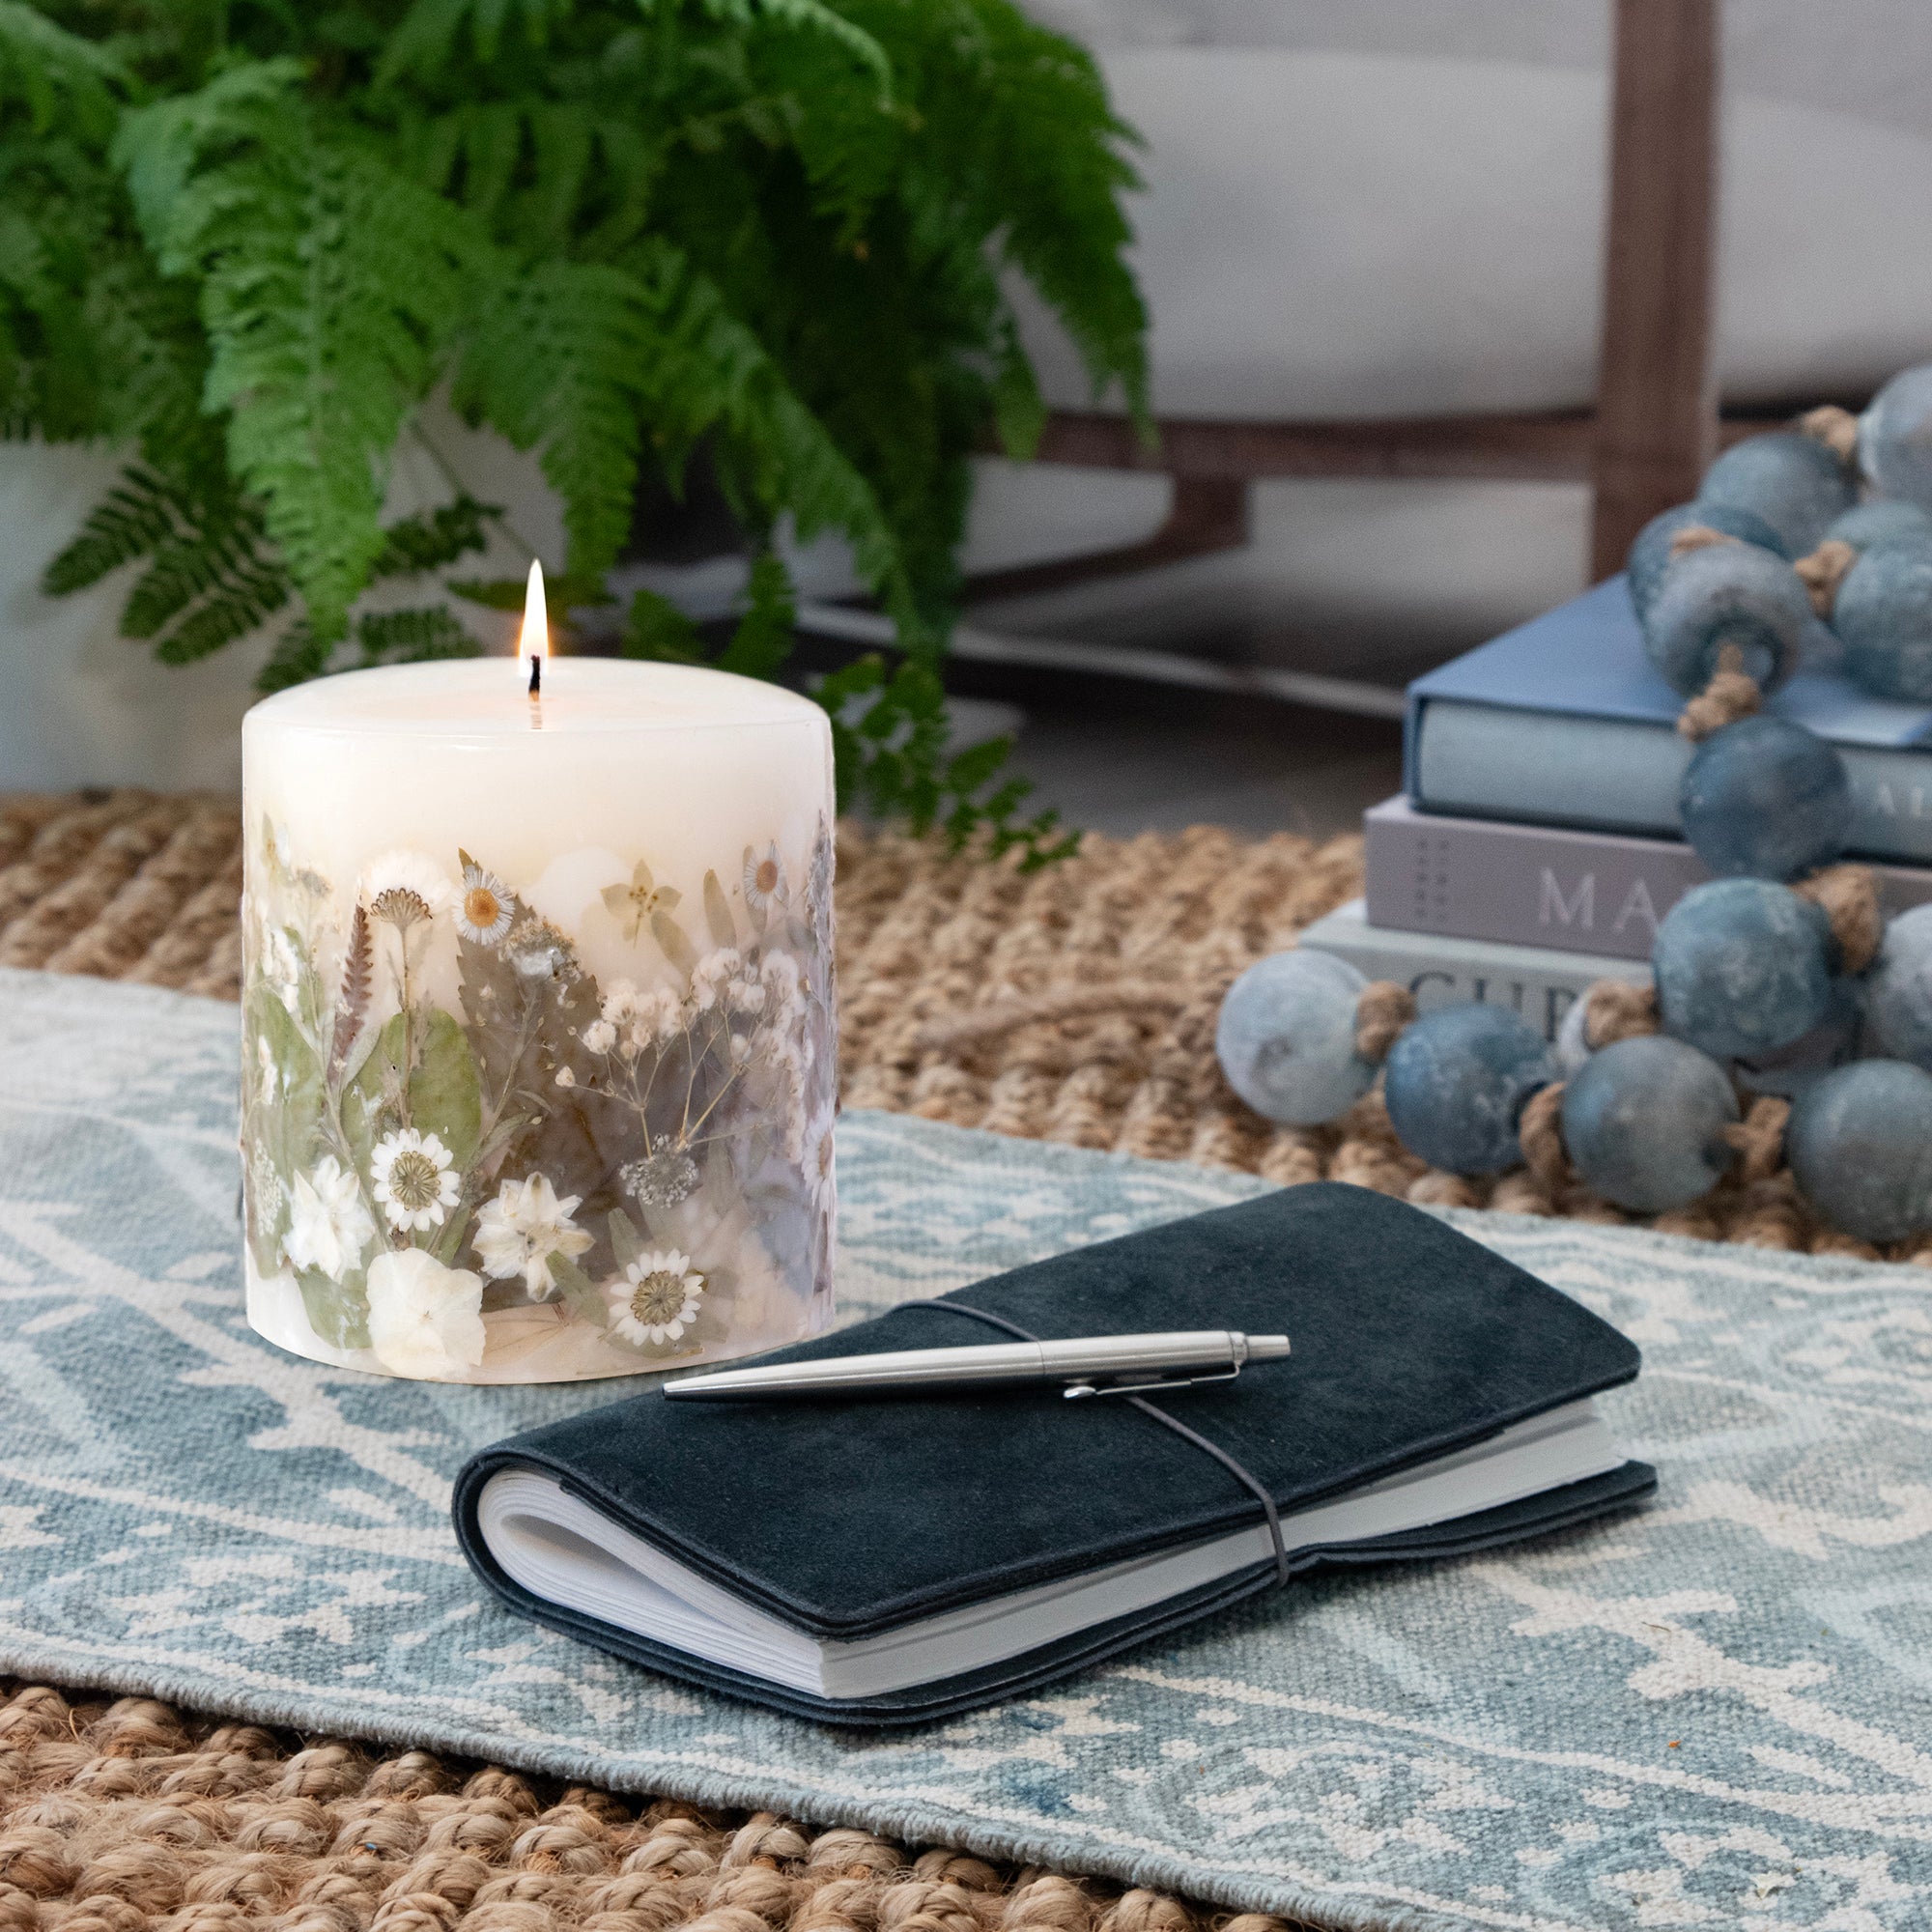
1564	722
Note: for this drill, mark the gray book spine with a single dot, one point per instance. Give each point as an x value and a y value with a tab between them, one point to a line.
1621	775
1539	982
1547	886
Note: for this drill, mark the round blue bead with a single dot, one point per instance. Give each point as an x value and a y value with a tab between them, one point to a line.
1882	521
1641	1123
1884	614
1896	437
1766	798
1730	593
1743	967
1899	989
1650	555
1285	1038
1457	1082
1860	1143
1789	479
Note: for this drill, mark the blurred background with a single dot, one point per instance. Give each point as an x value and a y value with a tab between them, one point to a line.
1372	213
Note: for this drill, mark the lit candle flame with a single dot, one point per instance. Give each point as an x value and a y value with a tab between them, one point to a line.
533	643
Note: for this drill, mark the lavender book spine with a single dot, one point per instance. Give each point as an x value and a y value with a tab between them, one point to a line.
1550	886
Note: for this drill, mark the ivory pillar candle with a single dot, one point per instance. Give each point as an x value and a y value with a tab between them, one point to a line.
539	1034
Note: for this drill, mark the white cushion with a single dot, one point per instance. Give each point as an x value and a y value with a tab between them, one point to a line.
1335	234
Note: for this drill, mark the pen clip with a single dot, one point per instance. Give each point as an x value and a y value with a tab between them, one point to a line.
1078	1391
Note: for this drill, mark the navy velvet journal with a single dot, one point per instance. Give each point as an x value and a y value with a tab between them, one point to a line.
850	1519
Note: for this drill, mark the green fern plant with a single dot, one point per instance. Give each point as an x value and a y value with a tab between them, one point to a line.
248	244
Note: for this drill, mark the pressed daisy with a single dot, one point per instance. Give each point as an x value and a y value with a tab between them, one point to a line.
521	1231
425	1319
413	1180
484	912
329	1226
662	1178
764	878
405	888
655	1298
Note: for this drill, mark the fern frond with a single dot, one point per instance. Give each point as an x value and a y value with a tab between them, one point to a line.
434	538
424	41
53	70
555	363
657	631
298	655
812	16
413	637
240	601
763	643
137	515
329	284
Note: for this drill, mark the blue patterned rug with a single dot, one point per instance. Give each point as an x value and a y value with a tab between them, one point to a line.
1718	1711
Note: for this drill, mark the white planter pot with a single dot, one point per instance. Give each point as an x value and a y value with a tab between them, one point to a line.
82	706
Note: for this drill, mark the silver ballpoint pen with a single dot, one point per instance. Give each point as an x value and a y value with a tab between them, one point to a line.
1089	1365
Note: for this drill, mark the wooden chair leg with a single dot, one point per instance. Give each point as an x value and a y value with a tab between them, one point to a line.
1656	398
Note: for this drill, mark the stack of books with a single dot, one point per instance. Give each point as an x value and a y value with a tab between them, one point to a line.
1536	845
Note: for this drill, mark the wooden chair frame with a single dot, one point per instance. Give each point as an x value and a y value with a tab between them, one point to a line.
1656	422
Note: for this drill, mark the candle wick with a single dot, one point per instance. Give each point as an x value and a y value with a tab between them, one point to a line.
536	676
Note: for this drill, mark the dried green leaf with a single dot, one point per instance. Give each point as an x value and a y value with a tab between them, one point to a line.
337	1311
718	912
624	1241
579	1291
677	946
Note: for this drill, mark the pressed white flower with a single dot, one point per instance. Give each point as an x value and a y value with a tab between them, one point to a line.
655	1298
414	1179
662	1178
632	905
329	1225
264	1187
780	971
425	1319
484	911
539	950
764	877
620	1001
600	1035
815	1155
744	996
282	967
405	888
519	1232
565	1077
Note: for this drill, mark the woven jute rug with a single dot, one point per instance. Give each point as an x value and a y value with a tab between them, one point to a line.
1075	1004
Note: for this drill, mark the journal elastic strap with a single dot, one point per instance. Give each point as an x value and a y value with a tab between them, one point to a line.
1236	1469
